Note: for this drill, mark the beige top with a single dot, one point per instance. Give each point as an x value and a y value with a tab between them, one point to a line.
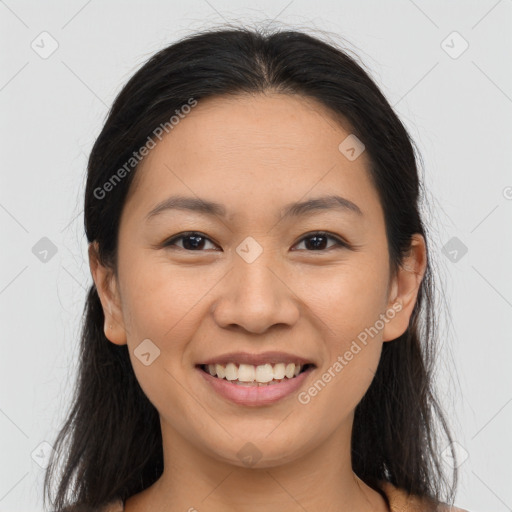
398	501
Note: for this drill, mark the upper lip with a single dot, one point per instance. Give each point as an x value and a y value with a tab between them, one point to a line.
257	359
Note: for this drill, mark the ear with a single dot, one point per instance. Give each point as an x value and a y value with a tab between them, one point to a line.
107	288
404	288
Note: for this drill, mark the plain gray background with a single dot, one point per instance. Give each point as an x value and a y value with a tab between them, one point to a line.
444	66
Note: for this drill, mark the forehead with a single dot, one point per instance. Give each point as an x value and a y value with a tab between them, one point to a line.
245	149
263	124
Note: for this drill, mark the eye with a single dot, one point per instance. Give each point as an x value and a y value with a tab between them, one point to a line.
319	238
192	241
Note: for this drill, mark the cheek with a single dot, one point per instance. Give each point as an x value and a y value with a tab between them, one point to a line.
159	299
350	297
163	309
349	303
158	307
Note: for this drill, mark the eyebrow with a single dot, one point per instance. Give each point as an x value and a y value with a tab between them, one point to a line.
202	206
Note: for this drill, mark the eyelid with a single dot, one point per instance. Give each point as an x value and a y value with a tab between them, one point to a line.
340	242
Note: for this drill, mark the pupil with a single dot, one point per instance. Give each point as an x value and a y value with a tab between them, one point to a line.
195	244
316	244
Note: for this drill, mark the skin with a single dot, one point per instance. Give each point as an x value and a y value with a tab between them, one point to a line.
254	154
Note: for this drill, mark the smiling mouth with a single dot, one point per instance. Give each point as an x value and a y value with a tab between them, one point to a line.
255	376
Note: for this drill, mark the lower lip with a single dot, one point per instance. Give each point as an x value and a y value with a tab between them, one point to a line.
255	395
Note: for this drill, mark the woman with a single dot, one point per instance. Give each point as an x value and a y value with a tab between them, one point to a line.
260	332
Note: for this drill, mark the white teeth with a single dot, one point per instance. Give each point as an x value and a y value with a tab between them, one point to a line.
231	371
220	370
289	370
248	373
264	373
279	371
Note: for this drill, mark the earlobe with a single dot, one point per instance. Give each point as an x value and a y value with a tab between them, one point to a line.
107	289
405	287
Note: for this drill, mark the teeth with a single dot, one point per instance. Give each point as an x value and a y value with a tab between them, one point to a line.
264	373
248	373
220	370
231	371
279	371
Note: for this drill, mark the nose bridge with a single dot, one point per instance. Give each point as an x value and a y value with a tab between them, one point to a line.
256	278
255	296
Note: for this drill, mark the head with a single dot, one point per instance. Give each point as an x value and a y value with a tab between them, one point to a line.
255	123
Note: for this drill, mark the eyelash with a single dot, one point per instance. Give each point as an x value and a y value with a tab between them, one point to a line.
340	243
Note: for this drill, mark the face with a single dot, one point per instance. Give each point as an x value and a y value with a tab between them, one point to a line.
255	276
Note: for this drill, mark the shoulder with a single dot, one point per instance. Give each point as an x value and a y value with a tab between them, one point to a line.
400	501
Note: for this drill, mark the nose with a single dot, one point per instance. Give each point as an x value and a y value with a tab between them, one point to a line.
256	296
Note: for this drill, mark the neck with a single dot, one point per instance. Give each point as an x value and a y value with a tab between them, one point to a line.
319	479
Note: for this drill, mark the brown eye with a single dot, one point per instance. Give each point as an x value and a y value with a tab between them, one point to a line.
317	241
314	242
191	241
